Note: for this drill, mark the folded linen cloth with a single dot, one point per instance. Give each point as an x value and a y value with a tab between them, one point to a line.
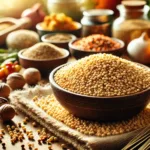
23	100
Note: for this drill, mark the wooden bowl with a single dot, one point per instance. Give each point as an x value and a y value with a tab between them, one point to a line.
11	24
76	32
100	108
78	53
44	66
57	42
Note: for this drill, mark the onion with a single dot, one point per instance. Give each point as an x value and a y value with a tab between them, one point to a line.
36	14
139	49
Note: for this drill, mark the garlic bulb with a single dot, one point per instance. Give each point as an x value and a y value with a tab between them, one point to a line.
139	49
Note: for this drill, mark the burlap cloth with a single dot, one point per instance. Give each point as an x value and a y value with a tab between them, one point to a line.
23	101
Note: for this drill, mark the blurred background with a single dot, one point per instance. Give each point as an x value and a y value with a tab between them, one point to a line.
14	8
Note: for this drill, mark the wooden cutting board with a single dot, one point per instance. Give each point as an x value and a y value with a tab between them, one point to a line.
8	25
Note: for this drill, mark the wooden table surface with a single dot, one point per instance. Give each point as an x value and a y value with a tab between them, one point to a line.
29	127
19	118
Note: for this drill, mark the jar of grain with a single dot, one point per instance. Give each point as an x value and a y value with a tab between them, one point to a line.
132	22
97	21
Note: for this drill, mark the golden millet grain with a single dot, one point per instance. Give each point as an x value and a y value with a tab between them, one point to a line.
13	127
63	146
34	124
2	131
30	145
27	119
25	122
103	75
55	110
19	125
50	147
39	142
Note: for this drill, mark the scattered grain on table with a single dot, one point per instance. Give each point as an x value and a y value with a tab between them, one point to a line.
52	107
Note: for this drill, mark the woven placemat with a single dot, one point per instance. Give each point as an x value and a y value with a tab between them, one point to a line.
23	101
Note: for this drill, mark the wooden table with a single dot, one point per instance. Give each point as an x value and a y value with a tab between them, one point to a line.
19	119
29	127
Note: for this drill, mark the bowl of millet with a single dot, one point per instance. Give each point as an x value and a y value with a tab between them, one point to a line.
43	56
96	43
102	87
58	39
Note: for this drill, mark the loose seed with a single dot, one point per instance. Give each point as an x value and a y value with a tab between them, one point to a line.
2	131
88	127
34	124
50	147
19	125
63	146
39	142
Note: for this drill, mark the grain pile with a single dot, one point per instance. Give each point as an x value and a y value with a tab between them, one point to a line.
103	75
59	37
43	51
52	107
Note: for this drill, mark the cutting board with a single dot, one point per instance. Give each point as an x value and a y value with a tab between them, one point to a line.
8	25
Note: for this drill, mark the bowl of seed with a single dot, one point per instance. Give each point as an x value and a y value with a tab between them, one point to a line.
58	39
43	56
96	43
102	87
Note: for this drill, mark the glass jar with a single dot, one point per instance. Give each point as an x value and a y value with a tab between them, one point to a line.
97	21
132	22
71	8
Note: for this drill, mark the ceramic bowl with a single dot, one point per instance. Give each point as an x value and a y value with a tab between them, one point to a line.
79	53
100	108
44	66
76	32
60	40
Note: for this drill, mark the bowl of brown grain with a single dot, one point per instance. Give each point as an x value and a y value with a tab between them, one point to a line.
43	56
59	39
